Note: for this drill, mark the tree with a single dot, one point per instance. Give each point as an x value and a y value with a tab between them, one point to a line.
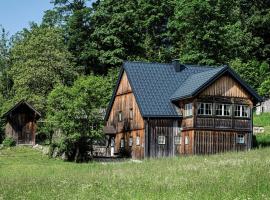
74	18
4	63
212	32
77	111
39	61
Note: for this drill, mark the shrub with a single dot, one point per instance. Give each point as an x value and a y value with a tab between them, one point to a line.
9	142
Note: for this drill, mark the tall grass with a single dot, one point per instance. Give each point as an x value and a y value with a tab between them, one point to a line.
26	174
262	119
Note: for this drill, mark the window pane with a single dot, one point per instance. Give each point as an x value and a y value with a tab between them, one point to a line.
187	140
122	143
120	116
240	139
208	109
245	111
237	111
200	109
161	139
219	109
138	140
227	110
177	140
188	109
130	141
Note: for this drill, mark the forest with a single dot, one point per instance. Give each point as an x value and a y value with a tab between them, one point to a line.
67	65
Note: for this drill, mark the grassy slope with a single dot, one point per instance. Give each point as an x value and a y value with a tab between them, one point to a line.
263	139
26	174
261	120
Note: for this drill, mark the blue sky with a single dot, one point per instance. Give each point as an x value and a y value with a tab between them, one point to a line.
16	14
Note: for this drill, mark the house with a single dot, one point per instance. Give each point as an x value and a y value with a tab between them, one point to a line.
173	109
263	107
21	123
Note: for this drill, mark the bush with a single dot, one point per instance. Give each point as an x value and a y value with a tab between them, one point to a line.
9	142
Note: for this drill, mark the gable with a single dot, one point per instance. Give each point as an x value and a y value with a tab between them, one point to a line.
124	85
123	101
226	86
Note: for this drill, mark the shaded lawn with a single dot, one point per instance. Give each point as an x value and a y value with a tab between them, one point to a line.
26	174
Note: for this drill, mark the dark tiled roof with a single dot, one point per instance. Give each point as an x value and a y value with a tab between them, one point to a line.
195	82
153	85
157	85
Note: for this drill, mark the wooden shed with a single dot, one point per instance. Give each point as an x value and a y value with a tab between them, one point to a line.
21	123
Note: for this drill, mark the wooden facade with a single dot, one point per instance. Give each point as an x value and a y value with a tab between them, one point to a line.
193	134
21	123
216	134
131	126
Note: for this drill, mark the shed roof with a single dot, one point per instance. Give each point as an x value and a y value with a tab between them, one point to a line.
18	105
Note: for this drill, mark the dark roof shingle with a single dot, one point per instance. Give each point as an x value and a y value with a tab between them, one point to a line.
154	83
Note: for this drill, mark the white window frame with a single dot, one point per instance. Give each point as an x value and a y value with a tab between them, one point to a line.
188	110
178	141
122	143
120	116
130	142
240	139
242	111
137	140
161	139
186	140
204	109
223	109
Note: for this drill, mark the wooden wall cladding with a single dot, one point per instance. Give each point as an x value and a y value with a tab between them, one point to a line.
124	101
225	86
161	127
187	148
211	142
136	150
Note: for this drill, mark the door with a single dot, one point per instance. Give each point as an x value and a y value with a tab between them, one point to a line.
112	146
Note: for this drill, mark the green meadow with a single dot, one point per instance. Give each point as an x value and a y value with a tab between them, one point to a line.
27	174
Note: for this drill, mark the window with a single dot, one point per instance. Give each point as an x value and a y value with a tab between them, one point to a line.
186	139
122	143
242	111
240	139
188	109
223	109
177	140
179	131
161	139
131	113
130	141
120	117
204	109
138	140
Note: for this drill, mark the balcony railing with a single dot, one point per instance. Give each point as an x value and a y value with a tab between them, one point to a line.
223	123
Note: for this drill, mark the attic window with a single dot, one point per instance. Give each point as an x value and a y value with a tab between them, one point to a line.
120	117
131	113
